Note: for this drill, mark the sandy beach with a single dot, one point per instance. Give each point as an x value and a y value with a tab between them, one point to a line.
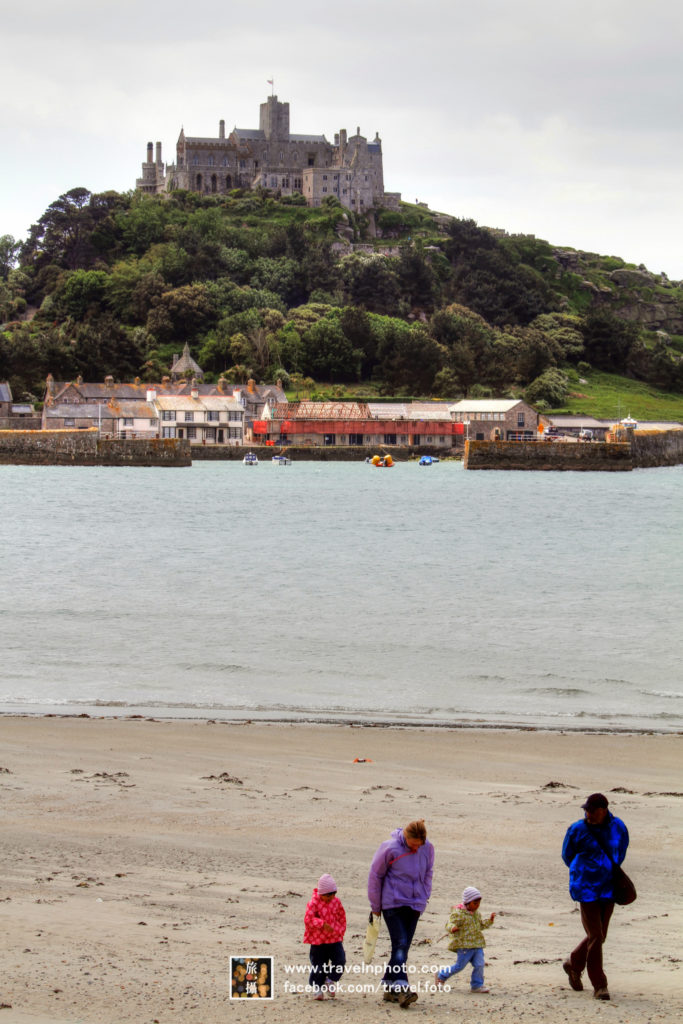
138	856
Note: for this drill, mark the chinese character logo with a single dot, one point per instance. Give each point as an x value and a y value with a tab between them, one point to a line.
251	977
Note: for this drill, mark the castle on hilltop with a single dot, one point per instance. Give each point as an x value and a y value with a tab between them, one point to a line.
271	157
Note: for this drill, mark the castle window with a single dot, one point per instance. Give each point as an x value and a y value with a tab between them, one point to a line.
228	181
324	188
211	161
255	164
311	161
199	183
195	160
214	183
243	164
324	177
225	161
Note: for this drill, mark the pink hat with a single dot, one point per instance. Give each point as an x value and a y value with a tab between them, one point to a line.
326	883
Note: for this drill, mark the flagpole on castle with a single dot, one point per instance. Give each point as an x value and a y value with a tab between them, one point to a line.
271	83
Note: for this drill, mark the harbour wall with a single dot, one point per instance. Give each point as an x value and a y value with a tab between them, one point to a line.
643	450
548	456
86	448
656	448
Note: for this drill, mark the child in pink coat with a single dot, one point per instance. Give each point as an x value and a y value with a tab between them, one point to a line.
325	925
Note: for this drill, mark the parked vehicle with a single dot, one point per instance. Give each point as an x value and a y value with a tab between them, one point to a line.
586	435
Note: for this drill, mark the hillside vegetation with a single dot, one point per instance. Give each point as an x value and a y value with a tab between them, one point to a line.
402	302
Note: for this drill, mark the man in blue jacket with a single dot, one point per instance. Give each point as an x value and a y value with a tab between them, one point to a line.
590	850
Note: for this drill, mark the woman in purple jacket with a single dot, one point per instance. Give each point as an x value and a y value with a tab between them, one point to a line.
399	886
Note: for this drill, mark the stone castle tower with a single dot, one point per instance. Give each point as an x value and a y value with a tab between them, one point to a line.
273	158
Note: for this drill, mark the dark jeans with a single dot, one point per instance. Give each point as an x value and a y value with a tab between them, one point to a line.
595	918
401	923
327	962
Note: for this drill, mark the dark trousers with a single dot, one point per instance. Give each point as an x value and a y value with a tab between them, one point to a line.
401	923
595	918
327	963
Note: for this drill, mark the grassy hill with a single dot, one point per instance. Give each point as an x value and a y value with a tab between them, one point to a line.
399	302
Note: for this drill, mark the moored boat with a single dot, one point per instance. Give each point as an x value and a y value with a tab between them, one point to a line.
250	459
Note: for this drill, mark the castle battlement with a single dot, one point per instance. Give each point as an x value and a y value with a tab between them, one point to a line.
273	158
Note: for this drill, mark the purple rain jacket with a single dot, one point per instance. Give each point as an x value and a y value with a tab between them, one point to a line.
398	877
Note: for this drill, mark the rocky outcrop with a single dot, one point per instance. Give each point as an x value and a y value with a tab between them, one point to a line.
633	293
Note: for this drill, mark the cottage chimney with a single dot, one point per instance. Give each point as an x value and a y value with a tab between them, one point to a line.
137	382
221	129
194	391
278	383
222	385
151	395
165	381
79	380
251	385
109	381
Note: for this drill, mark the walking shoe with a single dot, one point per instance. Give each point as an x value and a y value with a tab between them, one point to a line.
332	991
319	996
574	976
439	981
482	988
406	998
601	993
390	996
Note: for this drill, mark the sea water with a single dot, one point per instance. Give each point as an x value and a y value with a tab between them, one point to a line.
339	591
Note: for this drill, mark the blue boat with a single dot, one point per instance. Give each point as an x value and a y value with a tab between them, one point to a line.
427	460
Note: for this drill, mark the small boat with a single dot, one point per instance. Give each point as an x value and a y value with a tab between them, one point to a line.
282	460
250	459
427	460
382	461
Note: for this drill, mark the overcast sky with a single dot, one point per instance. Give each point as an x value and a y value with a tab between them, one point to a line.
562	121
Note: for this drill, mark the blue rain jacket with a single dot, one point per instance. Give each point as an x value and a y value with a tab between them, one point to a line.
590	869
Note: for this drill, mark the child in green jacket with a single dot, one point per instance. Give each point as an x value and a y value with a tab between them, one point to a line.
466	926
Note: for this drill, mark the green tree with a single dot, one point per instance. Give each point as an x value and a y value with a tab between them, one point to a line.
407	357
181	314
551	387
608	340
9	250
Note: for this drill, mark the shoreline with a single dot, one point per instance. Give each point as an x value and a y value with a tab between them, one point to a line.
353	723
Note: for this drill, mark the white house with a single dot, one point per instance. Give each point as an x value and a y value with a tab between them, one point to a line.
209	419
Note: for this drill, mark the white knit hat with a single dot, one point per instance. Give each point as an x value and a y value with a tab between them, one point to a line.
470	894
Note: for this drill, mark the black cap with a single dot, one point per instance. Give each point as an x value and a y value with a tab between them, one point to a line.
594	801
